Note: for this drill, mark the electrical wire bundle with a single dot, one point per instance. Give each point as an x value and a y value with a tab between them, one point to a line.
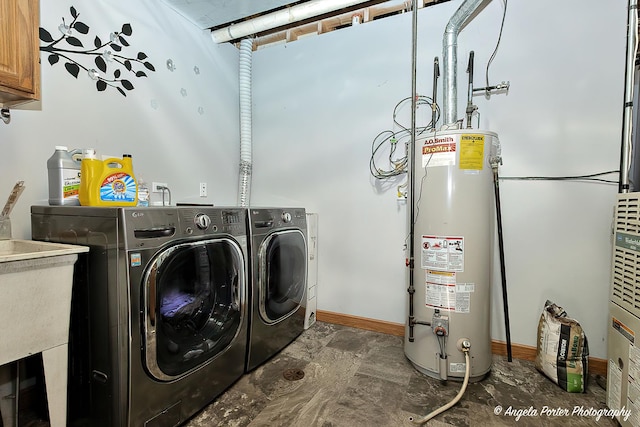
397	160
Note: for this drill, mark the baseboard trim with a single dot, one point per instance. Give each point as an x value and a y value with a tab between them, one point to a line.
360	322
518	351
525	352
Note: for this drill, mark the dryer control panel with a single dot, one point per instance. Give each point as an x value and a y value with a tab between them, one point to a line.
270	218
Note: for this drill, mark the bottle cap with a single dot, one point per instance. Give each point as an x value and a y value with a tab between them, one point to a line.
62	147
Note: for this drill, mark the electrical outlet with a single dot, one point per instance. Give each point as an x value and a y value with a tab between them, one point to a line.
203	189
155	186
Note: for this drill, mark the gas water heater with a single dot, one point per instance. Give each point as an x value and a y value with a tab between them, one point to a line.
453	240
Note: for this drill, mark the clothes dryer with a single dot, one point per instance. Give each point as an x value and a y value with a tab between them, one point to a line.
278	246
159	314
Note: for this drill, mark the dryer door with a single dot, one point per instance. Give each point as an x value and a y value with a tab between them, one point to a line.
282	274
192	305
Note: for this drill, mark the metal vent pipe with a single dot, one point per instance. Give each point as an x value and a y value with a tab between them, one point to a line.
627	116
450	59
289	15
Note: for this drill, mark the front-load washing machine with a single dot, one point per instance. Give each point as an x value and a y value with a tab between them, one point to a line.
159	313
278	246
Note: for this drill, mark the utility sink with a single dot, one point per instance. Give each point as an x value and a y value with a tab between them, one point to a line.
36	279
16	250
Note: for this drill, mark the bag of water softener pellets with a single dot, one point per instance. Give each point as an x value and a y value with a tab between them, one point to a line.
562	350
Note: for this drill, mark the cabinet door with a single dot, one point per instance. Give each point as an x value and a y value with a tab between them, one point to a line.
19	51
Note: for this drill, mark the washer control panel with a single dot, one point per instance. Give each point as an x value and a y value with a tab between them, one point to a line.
151	227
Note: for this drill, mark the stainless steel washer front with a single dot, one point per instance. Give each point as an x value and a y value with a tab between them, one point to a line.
191	304
159	313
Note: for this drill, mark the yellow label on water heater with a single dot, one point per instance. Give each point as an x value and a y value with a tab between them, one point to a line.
471	152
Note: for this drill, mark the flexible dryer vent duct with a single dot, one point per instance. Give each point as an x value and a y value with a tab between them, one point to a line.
450	58
244	190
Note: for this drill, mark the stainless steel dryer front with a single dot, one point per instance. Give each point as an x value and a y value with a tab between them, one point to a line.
279	280
159	313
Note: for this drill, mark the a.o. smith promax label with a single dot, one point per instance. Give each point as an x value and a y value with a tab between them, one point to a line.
628	241
439	150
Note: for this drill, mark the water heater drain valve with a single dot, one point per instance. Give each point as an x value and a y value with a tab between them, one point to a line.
464	345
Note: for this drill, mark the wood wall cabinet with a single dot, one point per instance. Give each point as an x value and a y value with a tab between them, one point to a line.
19	51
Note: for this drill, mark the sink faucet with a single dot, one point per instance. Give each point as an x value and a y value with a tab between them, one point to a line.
5	221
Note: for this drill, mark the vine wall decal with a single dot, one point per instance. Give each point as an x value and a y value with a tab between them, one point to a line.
106	54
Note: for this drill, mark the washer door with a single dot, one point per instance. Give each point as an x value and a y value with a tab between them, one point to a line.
192	305
282	274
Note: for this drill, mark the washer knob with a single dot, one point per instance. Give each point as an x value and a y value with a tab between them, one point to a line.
286	217
202	221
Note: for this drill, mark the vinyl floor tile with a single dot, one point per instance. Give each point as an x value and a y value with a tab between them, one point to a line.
359	378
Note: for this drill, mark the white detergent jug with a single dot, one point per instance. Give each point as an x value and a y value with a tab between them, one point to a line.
64	176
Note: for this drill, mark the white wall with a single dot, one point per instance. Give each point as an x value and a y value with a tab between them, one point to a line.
158	122
318	104
320	101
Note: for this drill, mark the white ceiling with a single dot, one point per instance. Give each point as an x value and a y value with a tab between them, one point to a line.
214	13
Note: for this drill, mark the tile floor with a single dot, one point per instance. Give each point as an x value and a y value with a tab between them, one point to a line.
356	378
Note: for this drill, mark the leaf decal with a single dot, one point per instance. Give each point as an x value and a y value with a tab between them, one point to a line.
73	41
45	35
81	27
101	85
127	30
101	64
107	54
72	68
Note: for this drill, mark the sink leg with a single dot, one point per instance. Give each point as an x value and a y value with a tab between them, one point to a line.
54	362
8	394
17	401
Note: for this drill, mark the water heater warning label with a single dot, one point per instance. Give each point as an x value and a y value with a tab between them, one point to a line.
471	152
443	292
443	253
